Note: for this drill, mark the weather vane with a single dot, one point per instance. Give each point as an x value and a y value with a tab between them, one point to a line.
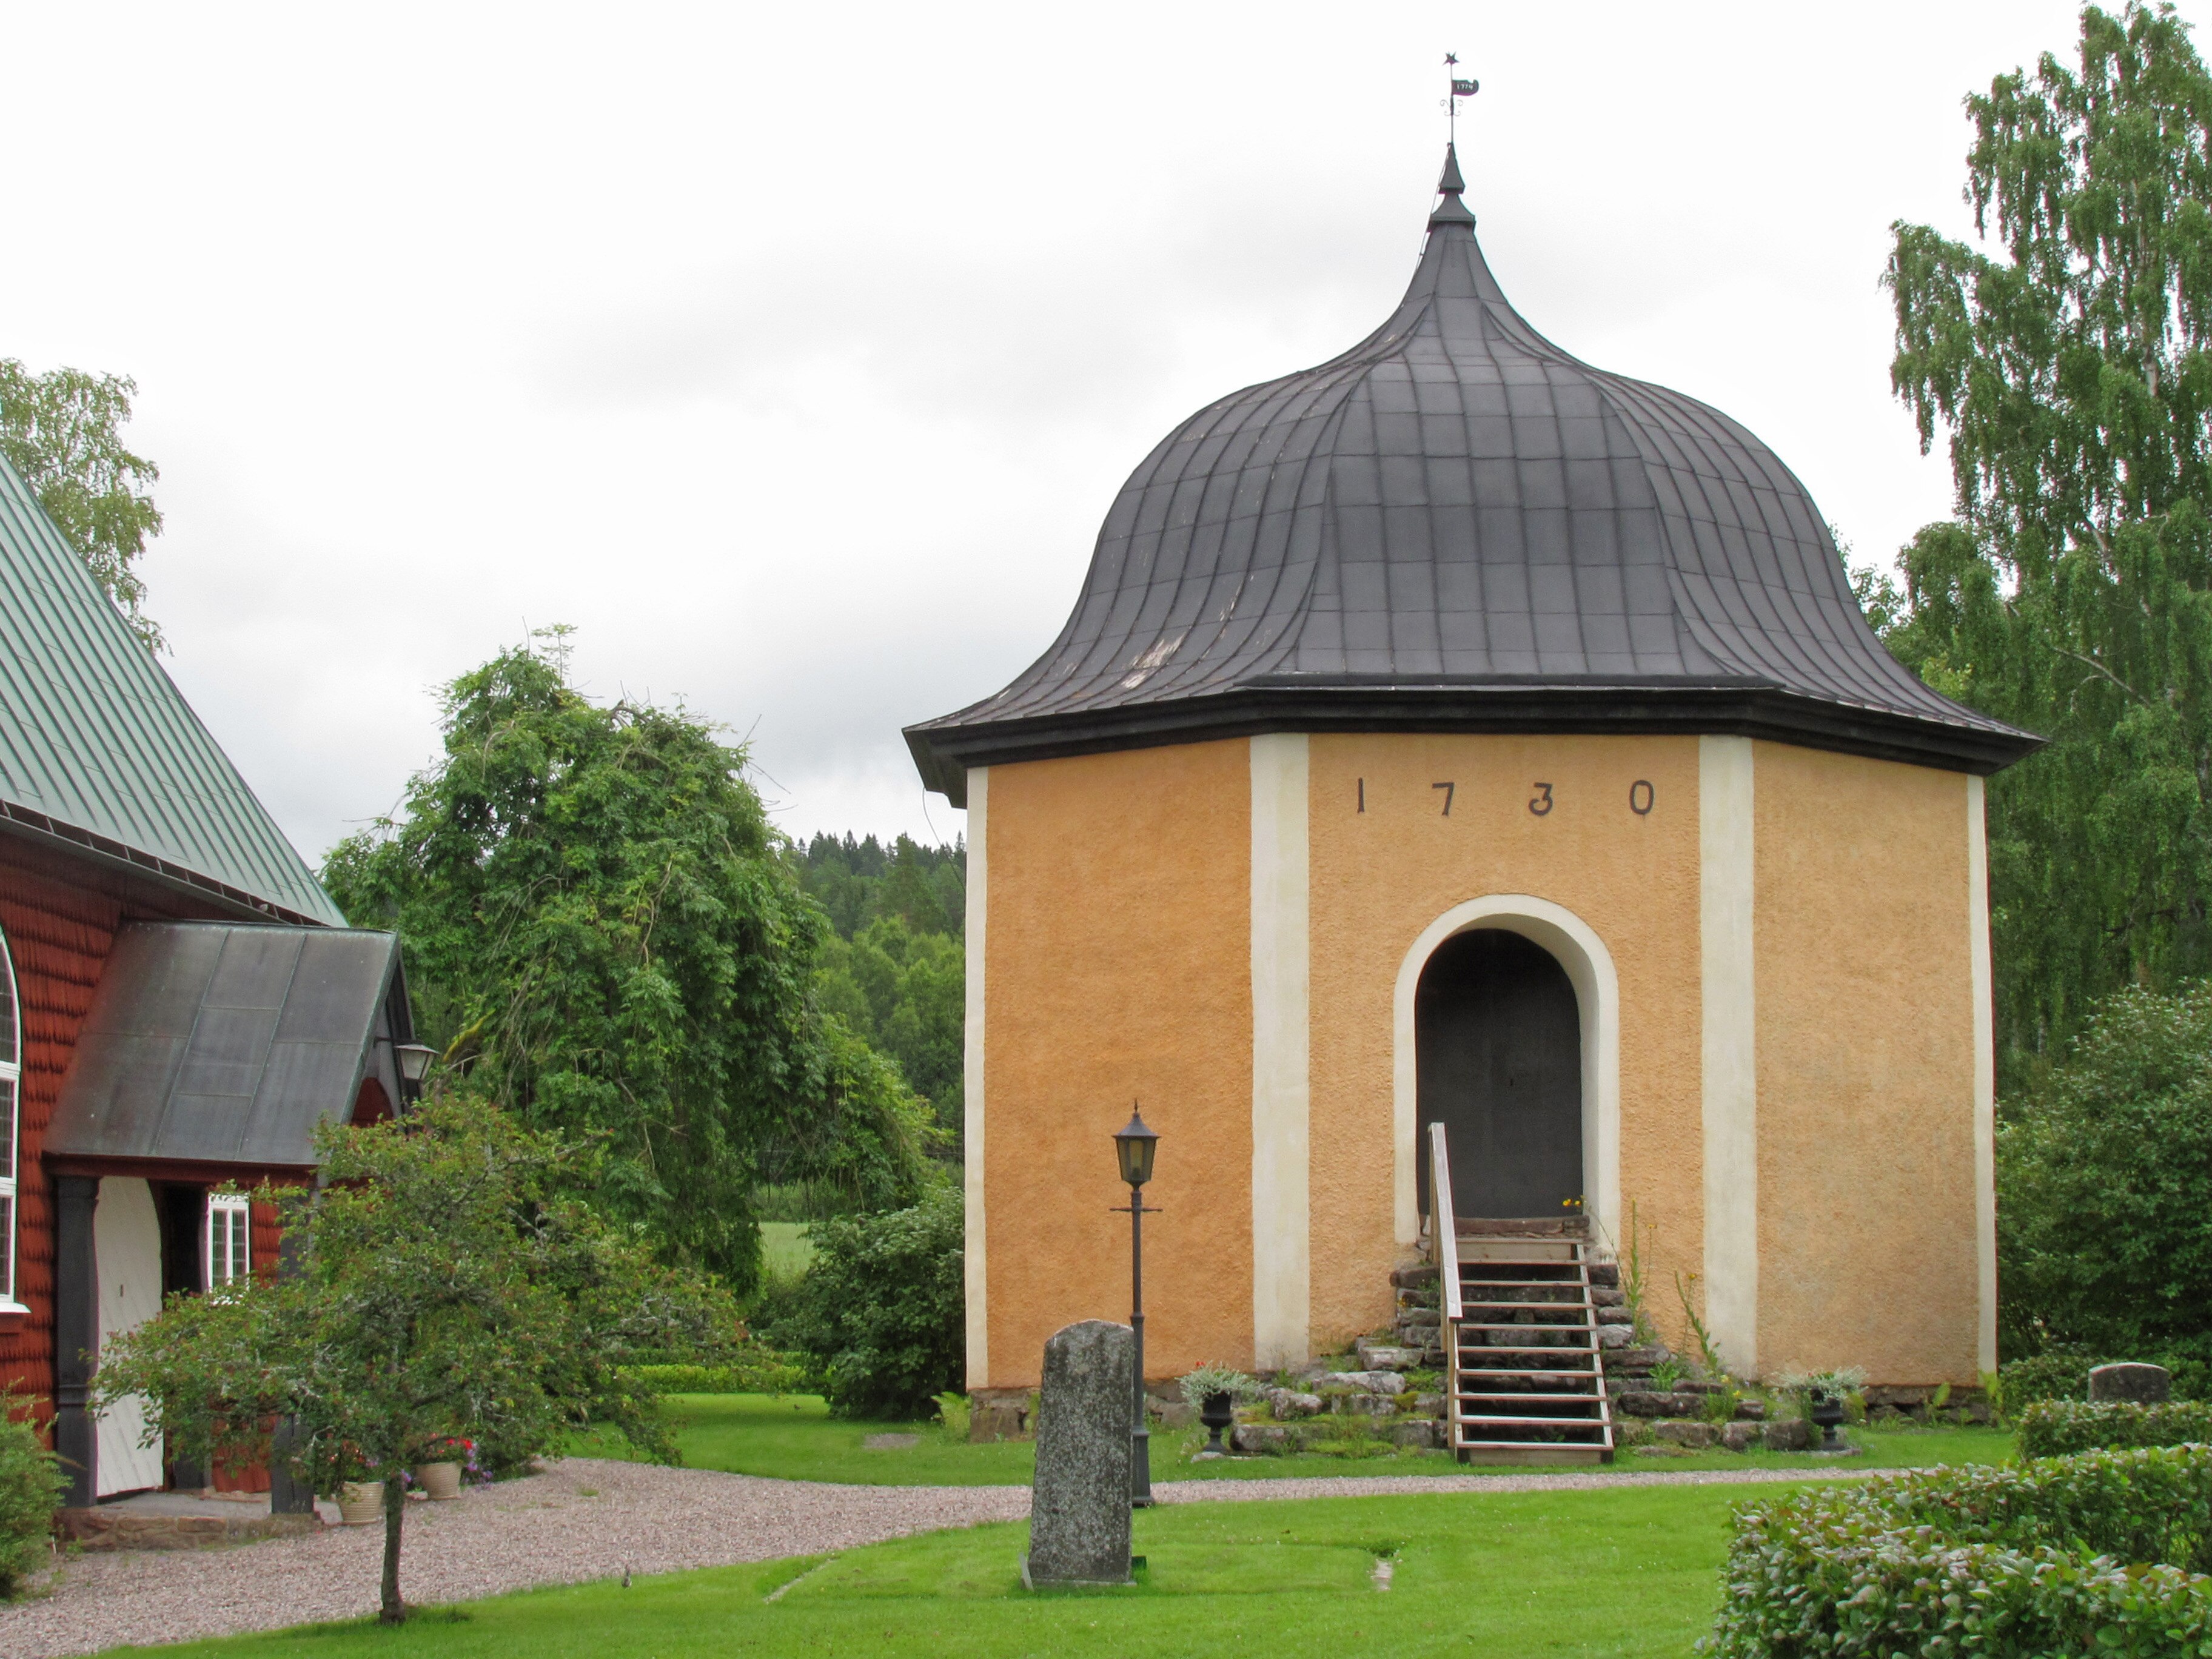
1459	89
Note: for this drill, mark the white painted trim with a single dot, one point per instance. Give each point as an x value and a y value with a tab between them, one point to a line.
1730	1054
1590	968
1282	1267
1985	1074
973	1260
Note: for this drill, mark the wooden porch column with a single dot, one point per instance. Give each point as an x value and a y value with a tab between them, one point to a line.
76	1336
287	1494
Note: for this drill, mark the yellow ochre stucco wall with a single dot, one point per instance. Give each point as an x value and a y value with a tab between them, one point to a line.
1382	876
1118	966
1865	1061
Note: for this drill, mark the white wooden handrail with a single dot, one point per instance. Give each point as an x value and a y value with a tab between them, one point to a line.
1443	1225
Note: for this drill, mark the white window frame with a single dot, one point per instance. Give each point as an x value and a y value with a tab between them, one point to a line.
227	1239
11	1072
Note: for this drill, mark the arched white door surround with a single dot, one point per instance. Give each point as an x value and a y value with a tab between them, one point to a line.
1597	995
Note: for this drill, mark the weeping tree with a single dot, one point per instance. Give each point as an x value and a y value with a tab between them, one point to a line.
2065	360
601	932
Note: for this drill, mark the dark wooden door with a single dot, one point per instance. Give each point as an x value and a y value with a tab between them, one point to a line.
1498	1041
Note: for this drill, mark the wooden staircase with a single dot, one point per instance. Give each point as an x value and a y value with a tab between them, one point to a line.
1524	1369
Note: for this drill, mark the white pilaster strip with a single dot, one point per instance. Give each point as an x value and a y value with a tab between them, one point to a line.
1730	1048
1282	1283
971	1122
1985	1074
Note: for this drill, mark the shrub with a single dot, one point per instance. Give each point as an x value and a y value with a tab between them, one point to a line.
2053	1428
2089	1553
2104	1183
756	1369
1220	1379
31	1486
2062	1372
881	1313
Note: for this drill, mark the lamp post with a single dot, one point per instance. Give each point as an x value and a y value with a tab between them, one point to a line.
1133	1147
414	1060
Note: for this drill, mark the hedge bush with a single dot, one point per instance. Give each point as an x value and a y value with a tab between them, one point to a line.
881	1313
2092	1553
2055	1428
2062	1373
762	1372
31	1487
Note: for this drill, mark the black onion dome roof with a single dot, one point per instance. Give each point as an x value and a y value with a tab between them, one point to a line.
1456	526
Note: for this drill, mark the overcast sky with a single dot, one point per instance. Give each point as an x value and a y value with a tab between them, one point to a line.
793	354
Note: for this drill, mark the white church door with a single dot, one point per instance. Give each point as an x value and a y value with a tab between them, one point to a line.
1498	1040
126	1235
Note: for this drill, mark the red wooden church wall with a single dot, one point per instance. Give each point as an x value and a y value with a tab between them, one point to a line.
60	917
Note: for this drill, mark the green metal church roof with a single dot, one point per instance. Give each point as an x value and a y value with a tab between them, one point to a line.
100	750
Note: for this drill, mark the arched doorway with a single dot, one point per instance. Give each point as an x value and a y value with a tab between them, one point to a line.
1500	1055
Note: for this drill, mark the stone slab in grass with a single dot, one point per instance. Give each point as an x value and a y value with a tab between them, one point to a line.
1079	1510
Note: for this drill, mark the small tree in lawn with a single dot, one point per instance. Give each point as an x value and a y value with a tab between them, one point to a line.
446	1288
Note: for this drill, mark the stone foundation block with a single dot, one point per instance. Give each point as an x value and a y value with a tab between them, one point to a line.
1741	1437
1792	1434
1379	1380
1262	1438
1638	1402
1379	1357
109	1528
1698	1437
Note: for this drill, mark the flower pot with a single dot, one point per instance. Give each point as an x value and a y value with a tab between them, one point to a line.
438	1481
361	1503
1827	1414
1217	1411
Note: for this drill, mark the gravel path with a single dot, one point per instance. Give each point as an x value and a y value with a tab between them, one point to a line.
586	1518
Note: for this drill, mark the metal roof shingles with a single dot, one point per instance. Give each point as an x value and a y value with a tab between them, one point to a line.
96	738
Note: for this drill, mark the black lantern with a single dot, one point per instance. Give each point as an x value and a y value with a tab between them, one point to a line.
1134	1147
414	1058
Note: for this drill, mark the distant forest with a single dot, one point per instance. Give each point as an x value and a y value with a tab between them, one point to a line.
896	972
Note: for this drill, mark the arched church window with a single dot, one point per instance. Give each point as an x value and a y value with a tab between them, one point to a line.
11	1089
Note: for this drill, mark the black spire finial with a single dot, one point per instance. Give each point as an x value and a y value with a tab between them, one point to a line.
1451	211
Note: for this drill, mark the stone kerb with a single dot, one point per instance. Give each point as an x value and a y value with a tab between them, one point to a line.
2140	1385
1079	1503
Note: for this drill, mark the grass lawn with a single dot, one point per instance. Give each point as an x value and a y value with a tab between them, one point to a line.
786	1251
1626	1571
793	1437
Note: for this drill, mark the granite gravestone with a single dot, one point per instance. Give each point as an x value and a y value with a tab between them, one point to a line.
2141	1385
1079	1505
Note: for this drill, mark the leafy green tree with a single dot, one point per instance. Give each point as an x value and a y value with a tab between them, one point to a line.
880	1313
2105	1185
601	929
858	882
2068	365
906	993
62	431
447	1289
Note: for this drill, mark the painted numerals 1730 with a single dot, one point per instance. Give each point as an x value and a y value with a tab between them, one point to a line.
1642	798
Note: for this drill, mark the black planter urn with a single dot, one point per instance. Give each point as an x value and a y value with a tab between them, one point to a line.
1827	1413
1217	1411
